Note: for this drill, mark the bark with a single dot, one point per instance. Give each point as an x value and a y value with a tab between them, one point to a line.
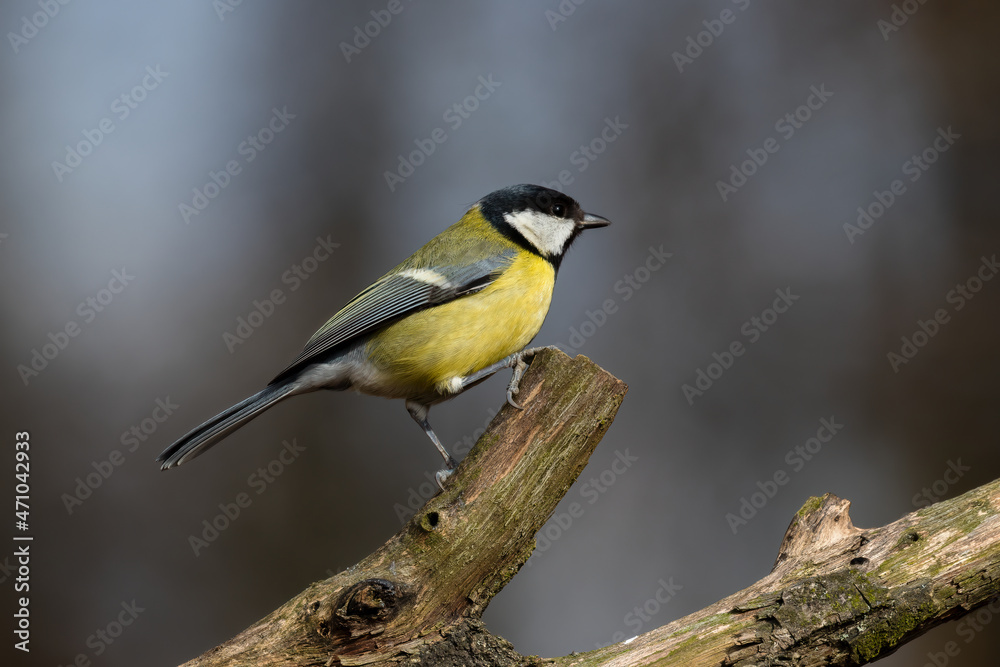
838	595
418	599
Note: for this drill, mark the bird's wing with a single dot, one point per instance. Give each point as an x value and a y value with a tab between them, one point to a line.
396	294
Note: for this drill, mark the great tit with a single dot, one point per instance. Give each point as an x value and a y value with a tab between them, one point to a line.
459	309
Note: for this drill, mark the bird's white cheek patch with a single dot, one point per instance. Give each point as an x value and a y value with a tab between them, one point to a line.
547	233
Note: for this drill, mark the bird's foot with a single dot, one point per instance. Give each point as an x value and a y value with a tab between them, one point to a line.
440	476
518	364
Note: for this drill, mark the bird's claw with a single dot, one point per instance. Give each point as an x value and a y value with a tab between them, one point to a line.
519	367
510	399
515	380
440	476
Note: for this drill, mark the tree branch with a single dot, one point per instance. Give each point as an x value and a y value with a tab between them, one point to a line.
422	593
838	595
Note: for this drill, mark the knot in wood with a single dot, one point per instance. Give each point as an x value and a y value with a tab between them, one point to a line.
373	600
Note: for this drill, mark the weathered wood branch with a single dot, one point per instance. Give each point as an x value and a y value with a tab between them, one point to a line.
418	598
838	595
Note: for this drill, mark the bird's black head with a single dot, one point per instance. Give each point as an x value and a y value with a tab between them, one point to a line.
543	220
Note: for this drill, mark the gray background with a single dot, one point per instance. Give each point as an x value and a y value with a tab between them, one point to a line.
323	176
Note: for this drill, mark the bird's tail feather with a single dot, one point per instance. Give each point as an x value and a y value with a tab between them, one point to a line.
198	440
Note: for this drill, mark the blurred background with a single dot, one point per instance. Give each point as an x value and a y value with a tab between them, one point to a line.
190	189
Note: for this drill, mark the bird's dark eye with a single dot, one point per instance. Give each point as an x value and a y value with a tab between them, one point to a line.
559	210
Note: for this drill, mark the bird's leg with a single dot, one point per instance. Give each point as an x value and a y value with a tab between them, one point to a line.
519	367
419	413
515	361
484	373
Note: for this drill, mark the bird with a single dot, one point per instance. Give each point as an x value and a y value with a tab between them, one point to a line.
456	311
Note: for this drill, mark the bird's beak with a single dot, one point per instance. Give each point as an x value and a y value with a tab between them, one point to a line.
591	220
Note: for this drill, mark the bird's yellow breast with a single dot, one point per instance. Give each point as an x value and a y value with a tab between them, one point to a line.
424	351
